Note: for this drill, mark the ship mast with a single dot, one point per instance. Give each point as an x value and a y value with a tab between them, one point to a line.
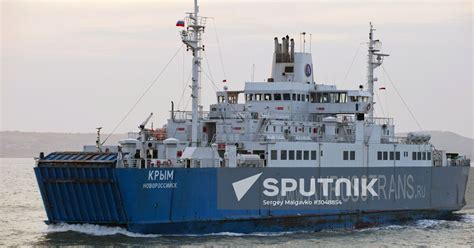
192	38
375	59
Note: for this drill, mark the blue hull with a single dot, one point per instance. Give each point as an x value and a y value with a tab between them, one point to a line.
124	197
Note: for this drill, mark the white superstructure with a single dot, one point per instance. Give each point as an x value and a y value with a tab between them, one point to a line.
287	121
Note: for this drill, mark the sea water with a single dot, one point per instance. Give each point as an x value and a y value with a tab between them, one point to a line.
22	215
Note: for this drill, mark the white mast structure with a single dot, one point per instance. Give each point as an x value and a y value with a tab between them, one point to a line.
375	60
192	38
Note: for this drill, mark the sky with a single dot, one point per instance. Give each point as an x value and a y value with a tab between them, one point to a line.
71	66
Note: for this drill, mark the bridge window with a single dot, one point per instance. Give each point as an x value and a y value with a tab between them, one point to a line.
286	97
298	97
277	97
249	97
274	155
267	97
283	154
299	155
291	155
413	156
258	97
397	155
428	155
379	155
348	155
233	99
306	155
325	98
220	99
294	97
385	155
313	155
392	156
424	155
419	156
353	155
342	97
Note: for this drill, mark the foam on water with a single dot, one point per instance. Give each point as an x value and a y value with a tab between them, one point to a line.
96	230
233	234
468	218
380	228
427	223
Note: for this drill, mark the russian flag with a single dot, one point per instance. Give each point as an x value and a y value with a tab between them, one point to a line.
180	23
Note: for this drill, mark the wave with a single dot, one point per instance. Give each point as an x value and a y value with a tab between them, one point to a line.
428	223
234	234
96	230
468	218
381	228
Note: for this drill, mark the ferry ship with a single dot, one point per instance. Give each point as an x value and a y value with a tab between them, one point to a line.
286	154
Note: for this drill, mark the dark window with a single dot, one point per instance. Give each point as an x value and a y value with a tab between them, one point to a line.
283	154
345	155
286	97
313	155
428	155
385	155
397	155
419	156
299	155
299	97
294	97
321	153
274	155
289	69
291	155
277	97
306	155
424	155
413	155
392	156
353	155
379	155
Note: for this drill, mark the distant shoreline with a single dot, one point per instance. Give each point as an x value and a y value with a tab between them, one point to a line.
17	144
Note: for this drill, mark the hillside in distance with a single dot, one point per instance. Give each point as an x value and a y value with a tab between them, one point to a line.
15	144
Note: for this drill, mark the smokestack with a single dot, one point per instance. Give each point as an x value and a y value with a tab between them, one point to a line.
292	49
276	44
284	45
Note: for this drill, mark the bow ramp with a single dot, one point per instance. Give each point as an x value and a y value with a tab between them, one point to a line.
80	187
